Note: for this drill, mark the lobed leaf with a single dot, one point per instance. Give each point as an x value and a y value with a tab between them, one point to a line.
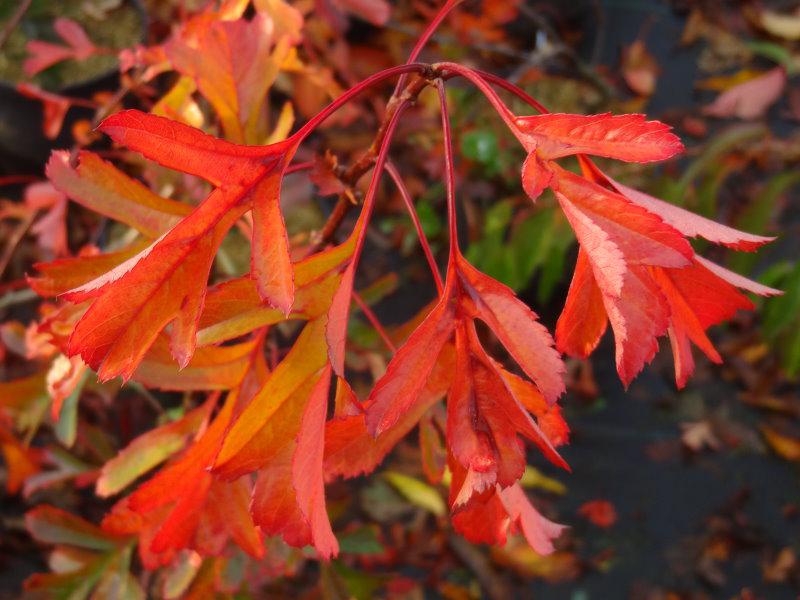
624	137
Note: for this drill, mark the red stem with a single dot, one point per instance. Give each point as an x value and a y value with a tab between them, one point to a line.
423	239
373	319
425	36
17	179
510	87
450	178
299	167
354	91
484	87
372	191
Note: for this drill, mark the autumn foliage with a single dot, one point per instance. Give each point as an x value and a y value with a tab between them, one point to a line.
248	459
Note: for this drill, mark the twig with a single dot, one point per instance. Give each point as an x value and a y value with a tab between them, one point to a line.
351	176
15	239
14	21
495	588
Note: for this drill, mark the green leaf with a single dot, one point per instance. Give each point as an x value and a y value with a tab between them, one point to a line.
51	525
66	427
480	145
360	585
147	451
417	492
361	541
758	214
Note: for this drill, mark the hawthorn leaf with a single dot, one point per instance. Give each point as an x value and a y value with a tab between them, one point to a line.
271	265
641	236
625	137
211	367
538	531
147	451
164	284
64	274
350	449
272	418
583	320
751	99
408	371
102	188
71	32
536	175
307	461
737	280
517	327
234	307
51	525
688	223
638	317
234	63
184	148
548	417
167	510
42	55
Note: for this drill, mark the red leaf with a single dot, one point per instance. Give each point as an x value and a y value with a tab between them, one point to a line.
517	327
101	187
638	316
184	506
42	55
583	320
307	475
751	99
599	512
184	148
538	531
536	175
688	223
487	519
624	137
405	378
270	264
166	283
640	236
350	450
71	32
737	280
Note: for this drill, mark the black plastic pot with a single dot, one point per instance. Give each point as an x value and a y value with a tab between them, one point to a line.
23	146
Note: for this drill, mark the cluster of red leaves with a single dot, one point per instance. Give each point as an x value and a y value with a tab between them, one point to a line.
257	465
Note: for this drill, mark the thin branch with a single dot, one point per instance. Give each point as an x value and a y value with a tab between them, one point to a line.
365	163
425	37
14	239
14	21
354	91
